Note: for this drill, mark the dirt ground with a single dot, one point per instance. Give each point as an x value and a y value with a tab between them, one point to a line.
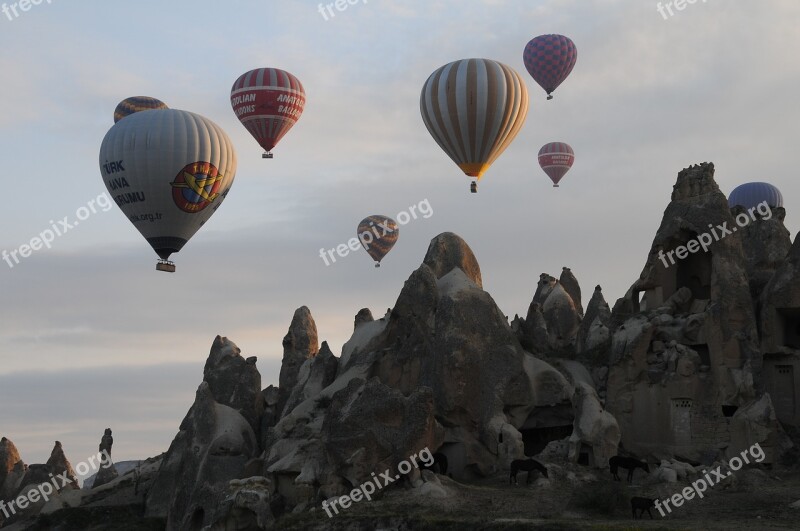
573	498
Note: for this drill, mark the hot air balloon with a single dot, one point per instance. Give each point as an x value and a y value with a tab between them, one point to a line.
168	171
556	159
473	108
378	234
749	195
268	102
134	104
549	59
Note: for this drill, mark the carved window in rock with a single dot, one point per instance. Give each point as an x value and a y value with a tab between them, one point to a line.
784	396
681	421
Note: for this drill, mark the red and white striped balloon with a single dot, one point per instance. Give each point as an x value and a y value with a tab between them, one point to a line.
556	159
268	102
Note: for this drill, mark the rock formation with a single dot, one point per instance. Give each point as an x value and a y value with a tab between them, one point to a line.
108	473
780	338
684	352
215	445
676	372
12	469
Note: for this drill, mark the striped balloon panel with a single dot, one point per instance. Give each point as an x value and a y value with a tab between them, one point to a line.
378	234
268	102
474	108
168	171
549	59
556	158
134	104
750	195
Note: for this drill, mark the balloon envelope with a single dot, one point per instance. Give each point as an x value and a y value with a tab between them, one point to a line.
473	108
549	59
750	195
378	234
168	171
268	102
556	159
134	104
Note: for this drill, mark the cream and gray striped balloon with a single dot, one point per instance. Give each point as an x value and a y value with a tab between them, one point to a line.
474	108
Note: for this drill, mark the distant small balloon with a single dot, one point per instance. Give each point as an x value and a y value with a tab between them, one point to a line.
377	235
134	104
556	159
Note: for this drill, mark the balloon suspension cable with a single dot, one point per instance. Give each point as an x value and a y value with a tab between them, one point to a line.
549	96
266	155
473	187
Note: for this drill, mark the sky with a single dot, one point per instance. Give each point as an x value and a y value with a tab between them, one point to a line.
93	337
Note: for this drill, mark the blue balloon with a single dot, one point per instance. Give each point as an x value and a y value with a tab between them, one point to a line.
750	195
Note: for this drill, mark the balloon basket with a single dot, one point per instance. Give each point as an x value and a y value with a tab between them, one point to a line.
378	264
549	96
555	186
266	155
166	266
473	187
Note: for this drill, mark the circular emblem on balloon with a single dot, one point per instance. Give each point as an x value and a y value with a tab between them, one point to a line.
196	186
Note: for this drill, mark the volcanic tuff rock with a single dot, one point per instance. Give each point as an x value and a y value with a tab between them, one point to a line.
674	370
594	336
553	318
447	251
766	243
215	443
300	344
571	286
12	469
684	348
106	474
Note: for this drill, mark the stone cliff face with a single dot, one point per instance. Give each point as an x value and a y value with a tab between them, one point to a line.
696	361
442	370
12	469
684	354
216	442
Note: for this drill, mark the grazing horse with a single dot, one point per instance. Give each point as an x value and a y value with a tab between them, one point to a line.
526	465
628	463
643	504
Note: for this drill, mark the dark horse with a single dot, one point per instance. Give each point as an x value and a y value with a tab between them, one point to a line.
628	463
643	504
526	465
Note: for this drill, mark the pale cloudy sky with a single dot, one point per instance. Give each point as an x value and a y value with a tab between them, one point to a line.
92	336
